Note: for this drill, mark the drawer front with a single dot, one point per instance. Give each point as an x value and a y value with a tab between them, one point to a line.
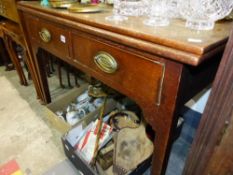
52	37
59	38
131	70
32	26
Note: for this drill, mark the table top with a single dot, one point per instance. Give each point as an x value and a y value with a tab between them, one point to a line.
174	41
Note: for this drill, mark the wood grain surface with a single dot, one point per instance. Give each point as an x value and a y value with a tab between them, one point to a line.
174	42
212	150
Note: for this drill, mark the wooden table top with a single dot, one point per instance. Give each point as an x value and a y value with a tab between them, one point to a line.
174	41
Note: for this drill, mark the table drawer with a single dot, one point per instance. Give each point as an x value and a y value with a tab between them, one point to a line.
53	38
124	69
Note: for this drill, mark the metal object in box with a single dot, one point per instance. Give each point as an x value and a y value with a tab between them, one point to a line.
60	103
63	101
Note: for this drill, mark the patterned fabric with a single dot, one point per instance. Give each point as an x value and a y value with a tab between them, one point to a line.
191	122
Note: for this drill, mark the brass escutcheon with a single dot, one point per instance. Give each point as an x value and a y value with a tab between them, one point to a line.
106	62
45	35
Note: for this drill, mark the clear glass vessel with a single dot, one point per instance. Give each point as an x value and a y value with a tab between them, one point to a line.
116	16
158	14
134	7
202	14
173	11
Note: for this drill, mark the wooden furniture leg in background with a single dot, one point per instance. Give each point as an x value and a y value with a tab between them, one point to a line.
51	63
59	70
9	43
26	63
76	78
47	60
5	57
42	78
68	76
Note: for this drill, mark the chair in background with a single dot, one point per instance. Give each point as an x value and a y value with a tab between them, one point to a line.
12	36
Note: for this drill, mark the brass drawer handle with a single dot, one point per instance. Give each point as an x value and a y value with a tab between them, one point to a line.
106	62
45	35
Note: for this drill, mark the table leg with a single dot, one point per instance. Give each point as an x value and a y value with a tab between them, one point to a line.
15	60
59	70
164	132
163	118
5	57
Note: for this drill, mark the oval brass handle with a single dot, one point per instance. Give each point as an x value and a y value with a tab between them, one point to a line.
45	35
106	62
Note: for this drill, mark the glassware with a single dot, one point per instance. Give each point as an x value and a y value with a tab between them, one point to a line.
116	12
173	10
134	7
158	14
202	14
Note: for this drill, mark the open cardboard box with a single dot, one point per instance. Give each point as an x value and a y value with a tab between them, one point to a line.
63	101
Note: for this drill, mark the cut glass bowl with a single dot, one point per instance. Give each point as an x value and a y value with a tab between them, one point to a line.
202	14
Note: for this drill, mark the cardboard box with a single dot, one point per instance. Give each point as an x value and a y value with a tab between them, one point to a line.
63	101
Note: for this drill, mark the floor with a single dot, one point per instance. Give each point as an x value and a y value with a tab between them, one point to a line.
27	136
181	146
